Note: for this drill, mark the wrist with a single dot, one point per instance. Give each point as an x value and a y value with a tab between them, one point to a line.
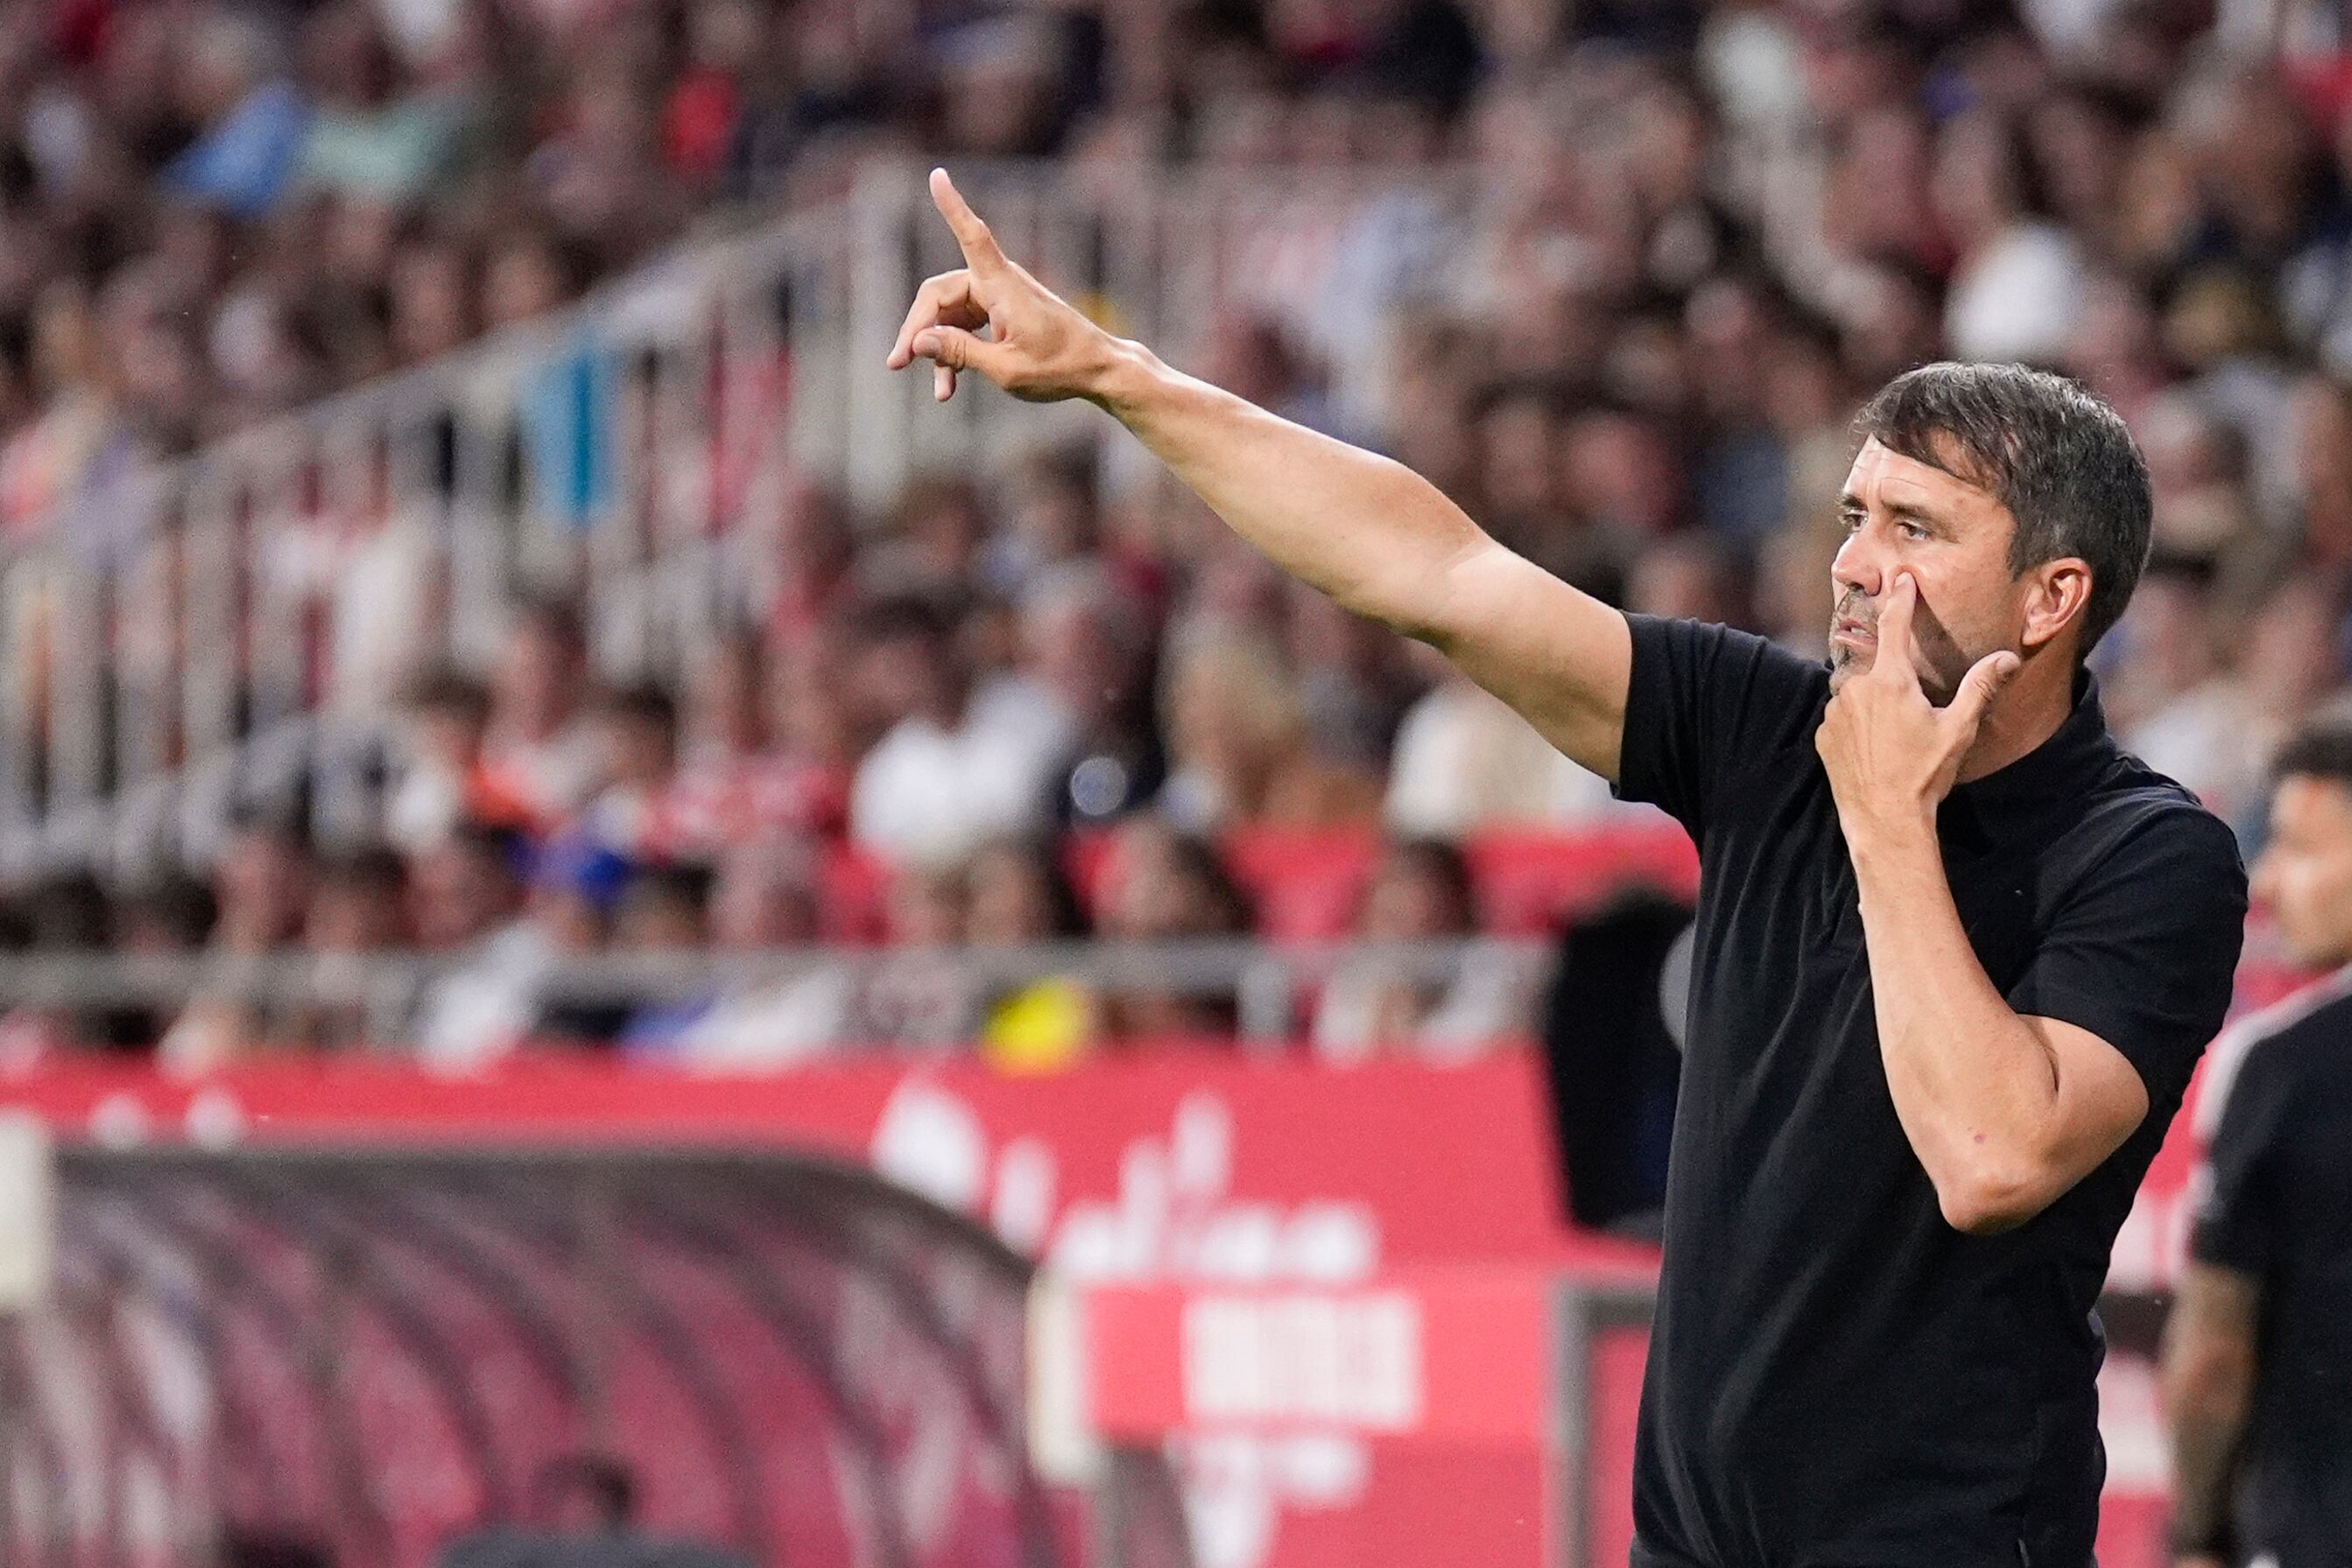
1893	839
1122	379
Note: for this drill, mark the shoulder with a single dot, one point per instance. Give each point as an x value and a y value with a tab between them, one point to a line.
1727	670
2281	1043
2136	821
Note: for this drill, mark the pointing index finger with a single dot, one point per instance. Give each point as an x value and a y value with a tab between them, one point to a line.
979	245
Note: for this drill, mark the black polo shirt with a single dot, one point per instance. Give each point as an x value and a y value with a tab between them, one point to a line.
2276	1203
1838	1378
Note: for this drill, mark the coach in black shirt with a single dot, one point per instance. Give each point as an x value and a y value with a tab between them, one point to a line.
1956	955
2258	1352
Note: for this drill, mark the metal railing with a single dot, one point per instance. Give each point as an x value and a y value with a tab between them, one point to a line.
228	624
1269	985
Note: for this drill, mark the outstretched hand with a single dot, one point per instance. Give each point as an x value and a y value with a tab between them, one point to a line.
1892	755
1039	348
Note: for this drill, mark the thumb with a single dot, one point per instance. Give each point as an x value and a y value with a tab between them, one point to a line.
1983	682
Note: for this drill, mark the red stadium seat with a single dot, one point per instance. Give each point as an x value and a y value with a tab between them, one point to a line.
1533	881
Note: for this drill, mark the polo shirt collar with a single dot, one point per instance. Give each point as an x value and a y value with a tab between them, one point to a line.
2010	797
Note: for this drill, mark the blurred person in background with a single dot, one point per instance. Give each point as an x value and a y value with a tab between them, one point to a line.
1016	895
1240	753
359	912
665	912
262	881
766	901
1464	762
920	995
2258	1350
442	778
634	807
1085	660
1166	885
941	779
465	897
723	734
1419	892
539	748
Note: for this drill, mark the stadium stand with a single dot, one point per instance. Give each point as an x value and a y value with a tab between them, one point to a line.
628	607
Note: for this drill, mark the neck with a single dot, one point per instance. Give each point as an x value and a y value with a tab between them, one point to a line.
2036	701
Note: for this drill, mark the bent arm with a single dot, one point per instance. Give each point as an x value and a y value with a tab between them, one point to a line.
1387	544
2208	1383
2005	1111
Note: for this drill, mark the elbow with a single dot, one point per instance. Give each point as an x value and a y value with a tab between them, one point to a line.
1990	1197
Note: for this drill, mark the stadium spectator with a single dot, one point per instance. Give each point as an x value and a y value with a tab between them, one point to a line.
634	809
1612	277
1016	894
766	901
1166	885
921	997
443	779
1085	668
1239	749
465	898
1419	892
947	772
358	911
538	748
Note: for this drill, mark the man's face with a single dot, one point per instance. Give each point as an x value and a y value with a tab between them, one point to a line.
2304	875
1953	538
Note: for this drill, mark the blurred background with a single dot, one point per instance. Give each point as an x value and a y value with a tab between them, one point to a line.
490	662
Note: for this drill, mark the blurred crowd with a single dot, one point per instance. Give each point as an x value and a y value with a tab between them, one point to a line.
1025	705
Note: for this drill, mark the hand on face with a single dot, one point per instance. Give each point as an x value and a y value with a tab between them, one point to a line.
1892	754
1041	349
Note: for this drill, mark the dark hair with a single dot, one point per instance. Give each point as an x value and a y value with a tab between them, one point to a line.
370	870
1442	862
553	617
2321	748
2056	455
640	701
683	884
1065	913
1229	910
446	688
173	904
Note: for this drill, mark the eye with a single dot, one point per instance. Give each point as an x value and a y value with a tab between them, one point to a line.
1850	521
1911	530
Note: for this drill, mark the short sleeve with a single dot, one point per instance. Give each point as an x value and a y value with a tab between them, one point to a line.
2145	954
1703	699
2236	1220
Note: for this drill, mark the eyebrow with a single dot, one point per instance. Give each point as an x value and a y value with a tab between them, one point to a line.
1850	502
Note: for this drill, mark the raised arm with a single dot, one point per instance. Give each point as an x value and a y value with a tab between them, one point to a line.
1377	537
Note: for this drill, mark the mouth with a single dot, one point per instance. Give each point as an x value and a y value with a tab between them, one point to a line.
1845	632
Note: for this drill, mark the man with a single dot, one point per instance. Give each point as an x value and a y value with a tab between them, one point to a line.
1956	956
2258	1353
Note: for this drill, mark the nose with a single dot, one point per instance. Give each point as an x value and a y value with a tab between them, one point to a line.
1859	566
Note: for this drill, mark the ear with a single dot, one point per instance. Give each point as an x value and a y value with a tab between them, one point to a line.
2058	595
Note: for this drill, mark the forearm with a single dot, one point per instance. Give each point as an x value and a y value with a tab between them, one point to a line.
2204	1459
1974	1084
2208	1381
1370	532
